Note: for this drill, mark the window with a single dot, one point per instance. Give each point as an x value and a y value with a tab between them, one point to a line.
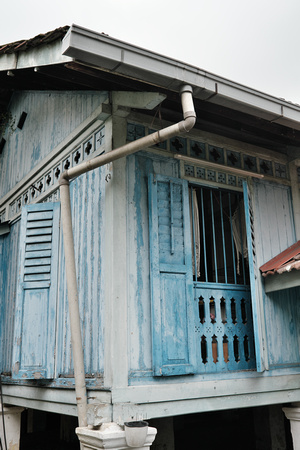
219	236
35	318
201	306
221	280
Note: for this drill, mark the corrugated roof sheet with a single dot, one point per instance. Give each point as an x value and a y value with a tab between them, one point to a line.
40	39
284	262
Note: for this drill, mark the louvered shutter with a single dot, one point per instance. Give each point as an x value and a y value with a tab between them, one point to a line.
271	232
253	272
171	276
35	318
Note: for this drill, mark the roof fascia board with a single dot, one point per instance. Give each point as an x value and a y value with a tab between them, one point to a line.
109	54
43	55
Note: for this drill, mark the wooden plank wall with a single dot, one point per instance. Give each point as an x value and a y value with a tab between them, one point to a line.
87	198
9	252
51	117
88	215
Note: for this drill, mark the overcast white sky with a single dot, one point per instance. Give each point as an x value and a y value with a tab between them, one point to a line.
255	43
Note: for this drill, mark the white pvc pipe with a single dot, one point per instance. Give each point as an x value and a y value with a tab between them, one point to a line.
147	141
78	358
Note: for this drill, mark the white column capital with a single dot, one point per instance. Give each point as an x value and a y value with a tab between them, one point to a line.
110	436
293	414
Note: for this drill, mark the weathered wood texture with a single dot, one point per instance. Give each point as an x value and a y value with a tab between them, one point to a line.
9	255
87	197
139	304
274	232
51	117
87	210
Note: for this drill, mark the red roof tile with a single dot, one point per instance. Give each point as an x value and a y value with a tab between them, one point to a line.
284	262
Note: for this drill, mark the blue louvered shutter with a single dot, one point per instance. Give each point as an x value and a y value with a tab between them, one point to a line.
171	276
253	273
35	317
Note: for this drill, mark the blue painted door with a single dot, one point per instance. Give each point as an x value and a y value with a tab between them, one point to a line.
35	317
171	276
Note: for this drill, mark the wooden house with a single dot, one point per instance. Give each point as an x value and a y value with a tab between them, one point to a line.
173	321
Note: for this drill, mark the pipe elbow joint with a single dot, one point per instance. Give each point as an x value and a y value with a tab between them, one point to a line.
64	179
189	122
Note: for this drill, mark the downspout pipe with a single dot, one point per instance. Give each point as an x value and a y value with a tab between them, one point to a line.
184	126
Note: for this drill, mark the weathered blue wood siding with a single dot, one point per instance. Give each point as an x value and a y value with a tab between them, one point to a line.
51	117
87	198
9	256
88	215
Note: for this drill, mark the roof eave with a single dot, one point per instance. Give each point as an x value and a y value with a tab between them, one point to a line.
109	54
39	56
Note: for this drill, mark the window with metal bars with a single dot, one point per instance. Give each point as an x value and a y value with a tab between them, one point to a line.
220	253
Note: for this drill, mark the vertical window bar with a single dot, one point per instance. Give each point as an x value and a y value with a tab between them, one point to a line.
171	218
214	236
223	237
204	236
231	233
241	237
193	231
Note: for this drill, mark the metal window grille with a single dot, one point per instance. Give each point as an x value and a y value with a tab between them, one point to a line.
223	247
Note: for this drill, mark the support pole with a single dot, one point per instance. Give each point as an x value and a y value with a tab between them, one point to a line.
80	386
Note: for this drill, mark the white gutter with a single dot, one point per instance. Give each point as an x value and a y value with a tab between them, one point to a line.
111	55
147	141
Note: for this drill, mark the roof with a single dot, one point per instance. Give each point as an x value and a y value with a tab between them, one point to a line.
284	262
41	39
75	58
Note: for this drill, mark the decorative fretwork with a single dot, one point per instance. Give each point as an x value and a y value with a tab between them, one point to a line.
280	170
48	182
224	329
207	151
265	167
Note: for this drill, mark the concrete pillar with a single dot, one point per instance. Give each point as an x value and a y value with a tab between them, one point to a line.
293	414
110	435
12	421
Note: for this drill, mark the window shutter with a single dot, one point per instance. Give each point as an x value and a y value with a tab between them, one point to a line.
274	232
35	318
171	276
253	269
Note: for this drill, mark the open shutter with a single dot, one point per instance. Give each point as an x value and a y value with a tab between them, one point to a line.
34	337
253	272
171	276
274	232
